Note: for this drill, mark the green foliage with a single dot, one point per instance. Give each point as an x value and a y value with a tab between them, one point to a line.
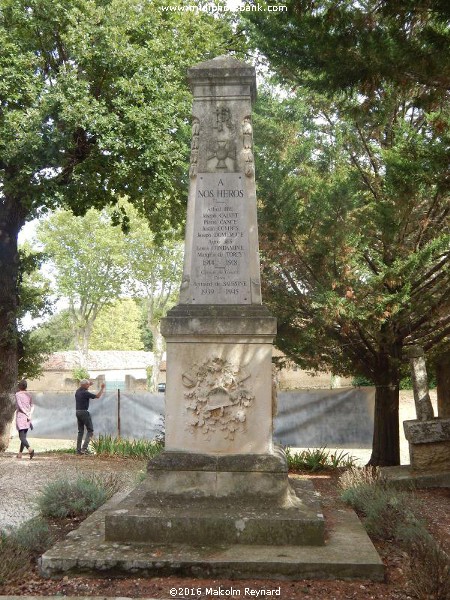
94	106
18	547
100	101
87	254
64	498
397	515
56	333
352	163
34	535
429	569
80	373
318	459
117	327
388	513
95	262
406	382
14	559
108	445
34	302
361	381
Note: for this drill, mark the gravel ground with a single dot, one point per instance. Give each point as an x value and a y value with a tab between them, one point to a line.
22	480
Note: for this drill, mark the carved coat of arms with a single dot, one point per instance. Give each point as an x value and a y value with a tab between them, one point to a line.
217	397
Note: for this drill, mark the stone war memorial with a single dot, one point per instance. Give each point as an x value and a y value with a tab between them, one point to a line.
218	501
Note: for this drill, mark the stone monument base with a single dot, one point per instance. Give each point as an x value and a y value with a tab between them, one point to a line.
429	444
348	554
208	500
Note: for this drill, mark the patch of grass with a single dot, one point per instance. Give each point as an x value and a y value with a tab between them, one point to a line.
107	445
64	498
318	459
19	545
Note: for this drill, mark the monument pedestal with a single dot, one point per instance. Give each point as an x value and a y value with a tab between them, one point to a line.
219	379
429	444
220	480
207	501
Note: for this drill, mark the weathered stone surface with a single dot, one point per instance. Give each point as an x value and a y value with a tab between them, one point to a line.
219	338
184	461
425	432
220	268
348	554
219	380
230	323
242	517
250	478
430	457
405	477
221	250
424	408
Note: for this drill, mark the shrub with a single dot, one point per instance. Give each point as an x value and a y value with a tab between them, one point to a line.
388	513
14	558
18	545
429	569
34	535
64	498
80	373
317	459
361	381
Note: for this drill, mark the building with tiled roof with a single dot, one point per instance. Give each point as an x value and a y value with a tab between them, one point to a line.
122	369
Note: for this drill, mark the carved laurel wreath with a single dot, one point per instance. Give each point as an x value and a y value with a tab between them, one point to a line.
217	398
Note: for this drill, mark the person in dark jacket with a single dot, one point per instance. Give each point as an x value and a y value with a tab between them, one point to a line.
82	398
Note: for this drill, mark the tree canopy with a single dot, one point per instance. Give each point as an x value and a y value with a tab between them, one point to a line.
90	267
95	263
93	104
118	327
354	189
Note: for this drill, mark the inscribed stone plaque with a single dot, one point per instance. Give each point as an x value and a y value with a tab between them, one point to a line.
220	271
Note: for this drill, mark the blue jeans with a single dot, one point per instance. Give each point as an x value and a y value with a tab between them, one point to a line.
84	420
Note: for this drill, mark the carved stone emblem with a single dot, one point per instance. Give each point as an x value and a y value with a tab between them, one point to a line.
221	150
247	142
194	148
217	398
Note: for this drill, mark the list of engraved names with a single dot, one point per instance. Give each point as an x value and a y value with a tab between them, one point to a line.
220	271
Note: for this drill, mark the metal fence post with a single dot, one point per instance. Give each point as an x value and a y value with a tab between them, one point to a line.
118	413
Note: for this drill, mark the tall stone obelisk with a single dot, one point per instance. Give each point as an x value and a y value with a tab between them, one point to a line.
219	480
219	337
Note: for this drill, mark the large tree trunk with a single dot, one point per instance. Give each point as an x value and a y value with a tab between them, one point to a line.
11	221
386	429
386	432
443	385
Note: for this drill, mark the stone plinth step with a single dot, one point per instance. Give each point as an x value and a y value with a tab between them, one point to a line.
258	478
142	518
406	477
348	554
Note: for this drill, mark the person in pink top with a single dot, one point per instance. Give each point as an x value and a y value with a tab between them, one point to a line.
24	410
